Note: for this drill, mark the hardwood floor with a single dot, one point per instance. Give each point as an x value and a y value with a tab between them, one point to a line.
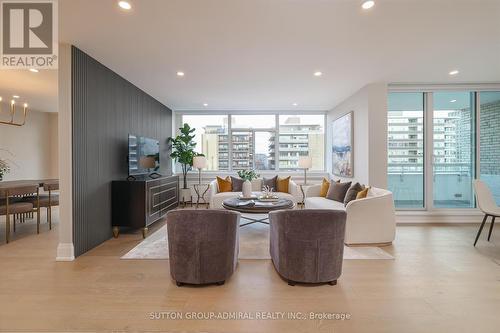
438	283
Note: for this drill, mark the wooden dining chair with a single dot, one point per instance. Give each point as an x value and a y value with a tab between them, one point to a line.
487	205
11	205
46	200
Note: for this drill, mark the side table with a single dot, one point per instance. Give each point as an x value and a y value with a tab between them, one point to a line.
201	190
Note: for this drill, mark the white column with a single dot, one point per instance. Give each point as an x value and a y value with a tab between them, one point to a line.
65	249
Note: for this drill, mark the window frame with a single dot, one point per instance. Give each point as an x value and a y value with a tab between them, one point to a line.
428	91
180	114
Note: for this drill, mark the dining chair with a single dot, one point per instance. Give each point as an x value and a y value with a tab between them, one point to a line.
46	200
11	205
487	205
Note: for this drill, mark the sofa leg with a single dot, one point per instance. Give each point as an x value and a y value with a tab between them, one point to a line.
179	284
291	283
220	283
333	283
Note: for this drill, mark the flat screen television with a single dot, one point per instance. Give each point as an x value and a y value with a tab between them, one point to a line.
143	155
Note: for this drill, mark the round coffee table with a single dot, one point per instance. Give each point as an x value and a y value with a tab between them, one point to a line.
259	207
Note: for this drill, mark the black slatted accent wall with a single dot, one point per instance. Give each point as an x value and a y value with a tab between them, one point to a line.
105	109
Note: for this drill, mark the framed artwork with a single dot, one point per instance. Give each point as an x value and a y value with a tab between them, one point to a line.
342	146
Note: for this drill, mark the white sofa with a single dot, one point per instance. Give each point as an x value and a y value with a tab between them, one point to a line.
369	221
216	197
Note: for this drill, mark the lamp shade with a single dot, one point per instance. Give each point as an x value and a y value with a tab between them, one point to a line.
199	162
305	162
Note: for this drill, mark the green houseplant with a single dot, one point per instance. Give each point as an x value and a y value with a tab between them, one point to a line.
4	164
4	168
248	175
183	151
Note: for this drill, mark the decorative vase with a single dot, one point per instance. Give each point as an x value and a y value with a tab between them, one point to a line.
247	189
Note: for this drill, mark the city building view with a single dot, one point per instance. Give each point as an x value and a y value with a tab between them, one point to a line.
252	144
453	148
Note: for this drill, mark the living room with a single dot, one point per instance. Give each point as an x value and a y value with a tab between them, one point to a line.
237	166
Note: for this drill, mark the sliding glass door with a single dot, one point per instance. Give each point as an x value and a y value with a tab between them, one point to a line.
405	173
454	152
490	141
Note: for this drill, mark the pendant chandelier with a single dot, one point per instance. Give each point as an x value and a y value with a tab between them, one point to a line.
12	113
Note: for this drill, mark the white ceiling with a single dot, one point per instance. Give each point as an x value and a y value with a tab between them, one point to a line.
261	54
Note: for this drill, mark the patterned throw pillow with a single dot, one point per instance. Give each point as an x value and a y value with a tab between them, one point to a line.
225	185
337	191
237	184
282	184
271	182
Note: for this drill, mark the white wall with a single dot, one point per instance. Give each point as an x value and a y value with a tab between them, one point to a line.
33	147
369	106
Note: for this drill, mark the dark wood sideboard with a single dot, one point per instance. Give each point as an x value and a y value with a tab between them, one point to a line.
139	203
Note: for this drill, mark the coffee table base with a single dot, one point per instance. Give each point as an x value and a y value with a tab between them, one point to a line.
264	220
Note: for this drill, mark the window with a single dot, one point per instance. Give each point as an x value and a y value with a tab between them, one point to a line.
456	153
211	136
490	141
301	135
260	142
405	174
453	164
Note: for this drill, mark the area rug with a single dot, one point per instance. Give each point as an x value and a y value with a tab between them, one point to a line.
254	244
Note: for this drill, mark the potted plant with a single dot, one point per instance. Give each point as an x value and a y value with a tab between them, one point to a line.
248	176
4	164
183	152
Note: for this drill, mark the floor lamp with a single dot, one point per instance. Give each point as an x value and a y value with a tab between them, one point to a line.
305	162
199	162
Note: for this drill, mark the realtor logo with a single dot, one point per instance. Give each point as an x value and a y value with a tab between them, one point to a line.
29	34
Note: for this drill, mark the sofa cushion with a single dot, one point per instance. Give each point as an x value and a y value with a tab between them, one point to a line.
337	191
282	184
224	184
237	184
363	193
271	182
325	185
352	193
323	203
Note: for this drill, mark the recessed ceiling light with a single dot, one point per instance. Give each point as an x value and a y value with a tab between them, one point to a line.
125	5
180	73
25	105
205	104
454	72
453	101
368	4
34	70
294	104
318	73
15	96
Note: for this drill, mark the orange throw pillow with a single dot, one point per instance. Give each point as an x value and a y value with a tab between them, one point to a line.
325	185
225	185
282	184
362	194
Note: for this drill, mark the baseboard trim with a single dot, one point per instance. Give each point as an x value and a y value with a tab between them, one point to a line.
65	252
404	218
